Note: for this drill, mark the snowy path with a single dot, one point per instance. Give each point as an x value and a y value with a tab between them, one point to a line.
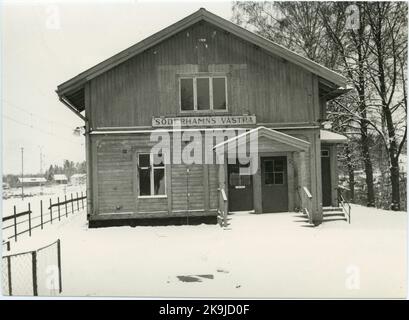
270	255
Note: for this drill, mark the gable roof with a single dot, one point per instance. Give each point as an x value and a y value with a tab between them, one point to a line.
32	180
270	134
71	92
60	177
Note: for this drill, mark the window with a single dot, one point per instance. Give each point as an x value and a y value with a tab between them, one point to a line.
324	153
186	94
151	175
273	172
203	93
235	178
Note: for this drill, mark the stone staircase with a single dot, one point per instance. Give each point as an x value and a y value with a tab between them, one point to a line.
333	214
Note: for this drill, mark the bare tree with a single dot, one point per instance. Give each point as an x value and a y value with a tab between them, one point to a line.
295	25
352	43
387	23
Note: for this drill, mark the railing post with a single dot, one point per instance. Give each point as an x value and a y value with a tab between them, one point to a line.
29	219
58	206
51	212
9	275
15	224
59	265
41	213
34	261
78	203
8	245
65	204
72	204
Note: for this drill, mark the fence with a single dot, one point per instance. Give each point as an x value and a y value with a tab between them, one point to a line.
33	273
25	222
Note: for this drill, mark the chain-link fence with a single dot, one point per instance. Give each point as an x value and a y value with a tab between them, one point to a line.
33	273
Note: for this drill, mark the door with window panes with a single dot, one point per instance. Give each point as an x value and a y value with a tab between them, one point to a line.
274	186
240	189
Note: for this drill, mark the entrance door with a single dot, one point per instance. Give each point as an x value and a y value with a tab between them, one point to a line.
326	178
240	189
274	186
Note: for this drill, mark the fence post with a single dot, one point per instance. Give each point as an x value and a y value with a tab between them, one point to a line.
51	212
41	213
58	206
72	204
34	261
8	245
15	224
9	275
78	203
59	265
82	200
65	204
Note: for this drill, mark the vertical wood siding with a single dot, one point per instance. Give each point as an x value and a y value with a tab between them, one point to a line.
258	82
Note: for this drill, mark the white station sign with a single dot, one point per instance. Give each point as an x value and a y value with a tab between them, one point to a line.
200	121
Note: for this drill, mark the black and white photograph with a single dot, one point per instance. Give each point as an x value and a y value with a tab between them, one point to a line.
204	150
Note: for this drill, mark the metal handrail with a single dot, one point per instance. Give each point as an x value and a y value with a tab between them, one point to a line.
346	207
305	199
222	217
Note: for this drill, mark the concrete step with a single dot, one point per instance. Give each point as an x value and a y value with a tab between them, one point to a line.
333	214
332	209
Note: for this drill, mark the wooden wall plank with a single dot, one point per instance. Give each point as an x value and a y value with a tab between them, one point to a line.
259	83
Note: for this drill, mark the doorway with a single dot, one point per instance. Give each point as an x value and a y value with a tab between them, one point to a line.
240	189
326	177
274	184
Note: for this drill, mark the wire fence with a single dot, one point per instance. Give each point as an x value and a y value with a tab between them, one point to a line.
25	222
33	273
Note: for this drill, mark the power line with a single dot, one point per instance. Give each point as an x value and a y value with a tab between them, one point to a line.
36	115
40	130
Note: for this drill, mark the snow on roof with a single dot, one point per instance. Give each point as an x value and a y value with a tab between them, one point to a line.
58	177
26	180
332	137
79	175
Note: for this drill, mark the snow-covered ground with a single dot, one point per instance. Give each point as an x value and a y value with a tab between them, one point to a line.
268	255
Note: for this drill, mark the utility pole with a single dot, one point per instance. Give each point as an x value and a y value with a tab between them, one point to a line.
41	168
22	173
41	159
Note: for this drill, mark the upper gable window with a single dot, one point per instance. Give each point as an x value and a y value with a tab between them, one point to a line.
203	93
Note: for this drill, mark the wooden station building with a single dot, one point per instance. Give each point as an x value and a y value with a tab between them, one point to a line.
208	73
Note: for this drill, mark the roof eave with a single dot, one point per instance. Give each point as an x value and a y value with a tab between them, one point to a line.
78	81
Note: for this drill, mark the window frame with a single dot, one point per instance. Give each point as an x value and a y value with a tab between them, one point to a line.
211	106
274	172
325	153
151	177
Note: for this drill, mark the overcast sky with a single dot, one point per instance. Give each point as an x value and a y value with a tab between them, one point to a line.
45	43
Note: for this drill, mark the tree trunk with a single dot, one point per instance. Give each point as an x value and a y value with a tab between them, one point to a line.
367	166
351	176
395	184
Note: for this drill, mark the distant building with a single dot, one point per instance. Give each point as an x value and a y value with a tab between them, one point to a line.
32	181
78	178
60	178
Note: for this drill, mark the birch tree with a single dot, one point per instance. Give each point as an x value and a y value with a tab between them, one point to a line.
387	22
